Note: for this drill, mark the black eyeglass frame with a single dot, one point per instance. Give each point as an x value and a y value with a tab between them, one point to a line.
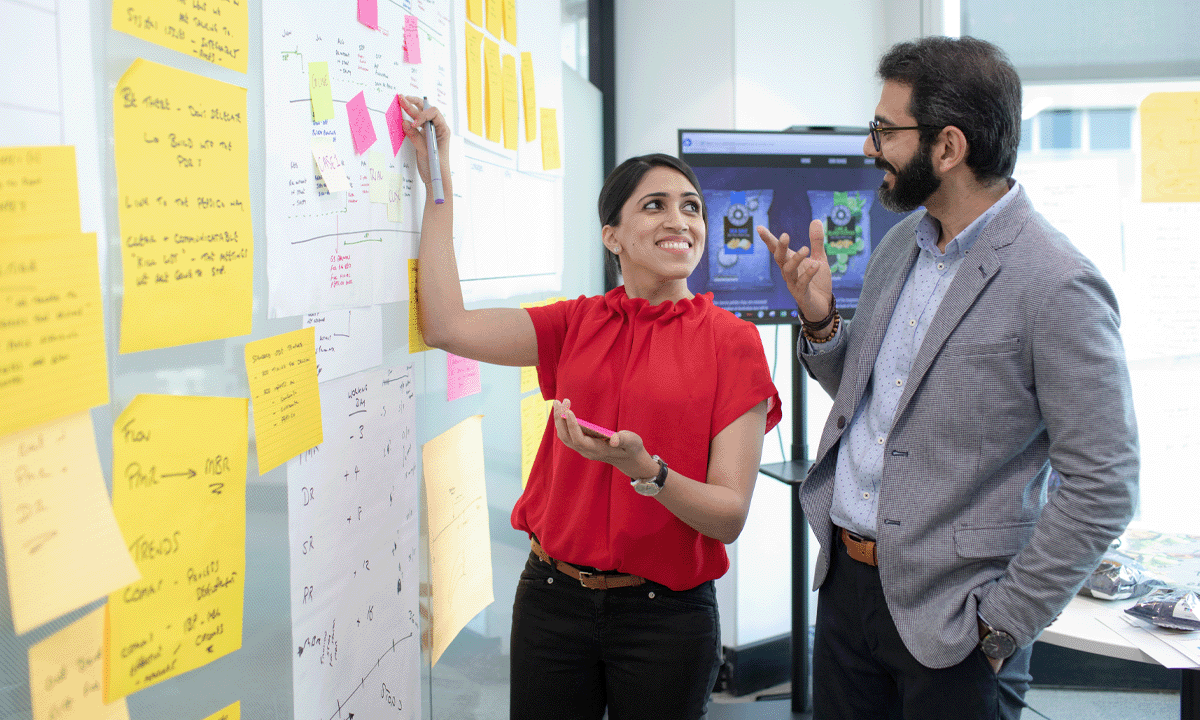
876	128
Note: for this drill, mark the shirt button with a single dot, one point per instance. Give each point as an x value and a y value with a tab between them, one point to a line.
941	266
899	382
912	322
866	496
880	441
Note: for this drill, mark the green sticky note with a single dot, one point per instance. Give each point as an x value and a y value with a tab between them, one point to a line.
320	91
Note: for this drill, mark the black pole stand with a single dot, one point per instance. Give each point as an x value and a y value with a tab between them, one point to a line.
792	473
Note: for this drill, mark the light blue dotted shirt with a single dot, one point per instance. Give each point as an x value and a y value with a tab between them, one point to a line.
861	454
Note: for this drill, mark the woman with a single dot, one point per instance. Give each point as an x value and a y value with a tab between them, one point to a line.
615	607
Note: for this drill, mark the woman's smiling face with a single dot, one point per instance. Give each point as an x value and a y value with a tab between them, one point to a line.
661	235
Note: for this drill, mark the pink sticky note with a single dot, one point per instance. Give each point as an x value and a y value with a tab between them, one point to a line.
462	377
412	42
368	13
361	129
395	123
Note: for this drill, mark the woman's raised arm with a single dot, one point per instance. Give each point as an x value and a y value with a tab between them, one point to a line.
502	336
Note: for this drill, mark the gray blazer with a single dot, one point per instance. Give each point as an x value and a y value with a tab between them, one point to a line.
1022	364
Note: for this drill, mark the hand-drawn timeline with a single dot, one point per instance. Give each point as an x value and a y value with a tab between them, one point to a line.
331	250
352	528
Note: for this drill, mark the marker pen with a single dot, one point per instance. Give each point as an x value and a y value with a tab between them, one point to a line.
435	165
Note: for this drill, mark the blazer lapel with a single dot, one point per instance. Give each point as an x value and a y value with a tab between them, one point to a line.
977	270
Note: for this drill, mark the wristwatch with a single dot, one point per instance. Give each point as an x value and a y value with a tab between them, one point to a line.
650	486
996	644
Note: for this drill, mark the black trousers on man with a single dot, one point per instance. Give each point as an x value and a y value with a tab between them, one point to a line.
863	671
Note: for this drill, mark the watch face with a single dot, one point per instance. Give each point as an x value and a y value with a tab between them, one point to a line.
998	644
648	488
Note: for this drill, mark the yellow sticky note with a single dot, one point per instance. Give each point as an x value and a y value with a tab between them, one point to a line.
550	159
320	91
61	542
230	712
512	102
475	11
218	32
66	674
534	412
1170	147
474	86
529	92
179	494
184	206
494	103
377	177
510	21
460	556
39	192
495	18
52	360
282	371
416	341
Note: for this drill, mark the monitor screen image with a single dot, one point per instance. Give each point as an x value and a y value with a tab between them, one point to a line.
783	180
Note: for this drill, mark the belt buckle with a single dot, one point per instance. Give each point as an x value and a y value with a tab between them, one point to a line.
584	575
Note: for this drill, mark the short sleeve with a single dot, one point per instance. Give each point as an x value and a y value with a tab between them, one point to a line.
550	324
743	379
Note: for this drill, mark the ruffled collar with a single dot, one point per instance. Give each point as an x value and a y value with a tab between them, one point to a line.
621	304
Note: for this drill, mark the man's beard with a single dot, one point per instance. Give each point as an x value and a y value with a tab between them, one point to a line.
912	184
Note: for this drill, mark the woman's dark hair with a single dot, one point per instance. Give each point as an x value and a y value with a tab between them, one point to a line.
621	183
964	82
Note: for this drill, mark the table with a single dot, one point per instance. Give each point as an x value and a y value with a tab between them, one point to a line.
1078	628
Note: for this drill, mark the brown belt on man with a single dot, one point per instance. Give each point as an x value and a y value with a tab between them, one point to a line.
860	548
590	580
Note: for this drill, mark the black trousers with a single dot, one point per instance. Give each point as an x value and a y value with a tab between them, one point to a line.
862	670
641	652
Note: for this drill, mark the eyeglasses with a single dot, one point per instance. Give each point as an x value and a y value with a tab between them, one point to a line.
876	129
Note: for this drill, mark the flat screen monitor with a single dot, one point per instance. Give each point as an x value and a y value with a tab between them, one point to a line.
783	180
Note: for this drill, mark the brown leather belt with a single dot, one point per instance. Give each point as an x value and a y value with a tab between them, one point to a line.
860	548
590	580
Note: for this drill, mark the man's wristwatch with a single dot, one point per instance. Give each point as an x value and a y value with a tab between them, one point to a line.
651	486
996	644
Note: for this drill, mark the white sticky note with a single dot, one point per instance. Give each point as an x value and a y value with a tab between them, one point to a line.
376	167
329	165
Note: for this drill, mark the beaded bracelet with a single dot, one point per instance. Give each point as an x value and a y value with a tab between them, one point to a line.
837	322
822	323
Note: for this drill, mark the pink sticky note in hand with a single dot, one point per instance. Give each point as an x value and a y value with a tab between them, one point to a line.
395	123
361	129
462	377
412	42
368	13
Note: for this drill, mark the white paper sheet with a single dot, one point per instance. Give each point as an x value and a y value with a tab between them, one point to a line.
348	341
352	527
325	250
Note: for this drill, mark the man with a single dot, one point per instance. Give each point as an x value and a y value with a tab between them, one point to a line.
984	350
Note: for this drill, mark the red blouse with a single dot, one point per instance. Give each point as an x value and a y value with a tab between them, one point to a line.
676	374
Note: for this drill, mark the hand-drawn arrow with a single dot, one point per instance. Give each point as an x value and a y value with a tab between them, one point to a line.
189	474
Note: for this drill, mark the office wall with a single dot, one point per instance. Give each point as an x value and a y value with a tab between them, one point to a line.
753	65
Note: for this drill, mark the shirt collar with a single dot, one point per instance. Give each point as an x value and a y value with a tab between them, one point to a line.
928	227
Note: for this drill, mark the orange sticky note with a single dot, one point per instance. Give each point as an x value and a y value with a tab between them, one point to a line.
1170	147
475	11
511	102
530	94
550	159
495	18
510	21
494	107
52	353
38	190
282	371
474	87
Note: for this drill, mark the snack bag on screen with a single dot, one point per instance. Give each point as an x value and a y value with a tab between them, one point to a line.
847	219
737	259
